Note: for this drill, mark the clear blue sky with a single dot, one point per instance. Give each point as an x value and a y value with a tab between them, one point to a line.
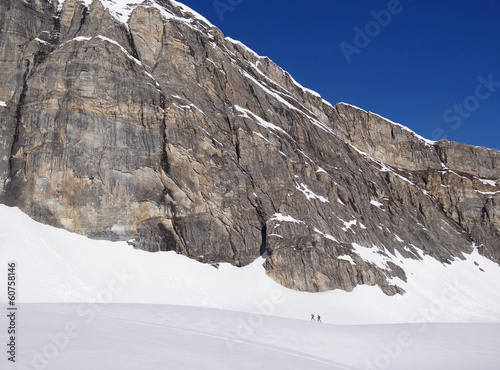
420	67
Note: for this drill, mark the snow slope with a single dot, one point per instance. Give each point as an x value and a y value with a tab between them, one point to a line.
55	265
137	310
158	337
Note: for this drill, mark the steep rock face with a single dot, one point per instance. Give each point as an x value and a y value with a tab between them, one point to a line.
150	125
462	179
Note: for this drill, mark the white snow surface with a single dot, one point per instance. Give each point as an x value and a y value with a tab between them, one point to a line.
280	217
2	104
41	41
488	192
373	255
159	337
245	113
123	50
80	38
187	9
55	265
122	9
488	182
130	309
309	194
237	42
347	258
325	235
348	224
304	89
312	92
376	203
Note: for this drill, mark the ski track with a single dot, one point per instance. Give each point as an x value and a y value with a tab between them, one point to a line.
195	332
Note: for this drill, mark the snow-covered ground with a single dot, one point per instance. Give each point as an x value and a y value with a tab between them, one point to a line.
159	337
86	304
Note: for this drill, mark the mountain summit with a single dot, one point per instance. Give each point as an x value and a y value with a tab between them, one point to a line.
138	120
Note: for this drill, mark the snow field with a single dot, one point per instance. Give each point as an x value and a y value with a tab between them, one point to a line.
57	266
87	304
133	336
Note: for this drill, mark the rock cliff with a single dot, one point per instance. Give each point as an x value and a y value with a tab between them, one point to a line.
143	122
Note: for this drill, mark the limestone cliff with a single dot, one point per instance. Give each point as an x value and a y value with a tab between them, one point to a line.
144	122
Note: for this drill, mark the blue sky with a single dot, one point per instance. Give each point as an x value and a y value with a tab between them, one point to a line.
433	66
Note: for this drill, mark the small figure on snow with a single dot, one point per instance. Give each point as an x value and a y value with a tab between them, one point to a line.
319	318
312	317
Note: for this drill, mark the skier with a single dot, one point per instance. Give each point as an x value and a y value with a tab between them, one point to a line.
319	318
312	317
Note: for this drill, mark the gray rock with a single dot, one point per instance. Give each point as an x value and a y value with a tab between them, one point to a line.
167	133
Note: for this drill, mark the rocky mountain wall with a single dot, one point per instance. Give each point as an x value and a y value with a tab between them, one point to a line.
145	123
